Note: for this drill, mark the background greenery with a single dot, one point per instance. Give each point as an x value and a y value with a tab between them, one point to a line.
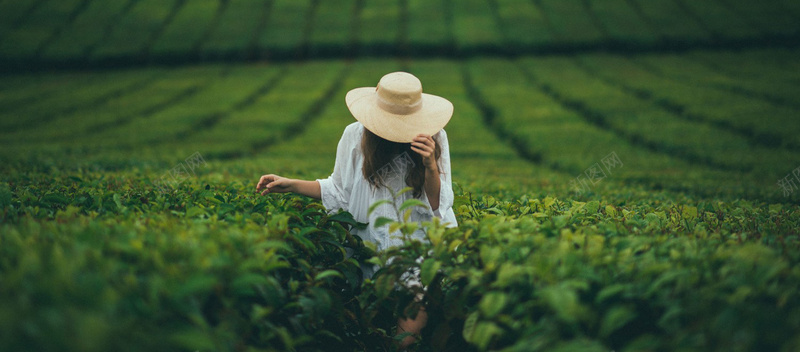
689	243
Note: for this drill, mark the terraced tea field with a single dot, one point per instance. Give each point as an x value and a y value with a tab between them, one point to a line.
626	175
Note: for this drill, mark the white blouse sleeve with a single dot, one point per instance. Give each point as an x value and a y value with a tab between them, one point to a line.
446	196
335	190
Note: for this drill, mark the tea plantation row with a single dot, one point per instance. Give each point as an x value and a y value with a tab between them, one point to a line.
625	202
554	116
102	261
43	33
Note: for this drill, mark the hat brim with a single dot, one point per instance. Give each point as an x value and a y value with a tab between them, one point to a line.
429	119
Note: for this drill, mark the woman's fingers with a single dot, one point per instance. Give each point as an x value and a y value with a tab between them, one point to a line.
420	151
422	146
424	143
269	188
427	157
425	139
262	182
265	181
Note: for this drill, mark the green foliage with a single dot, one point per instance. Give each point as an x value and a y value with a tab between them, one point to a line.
211	266
544	274
200	267
78	32
690	246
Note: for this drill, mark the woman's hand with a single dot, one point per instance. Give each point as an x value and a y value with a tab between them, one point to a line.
274	184
423	144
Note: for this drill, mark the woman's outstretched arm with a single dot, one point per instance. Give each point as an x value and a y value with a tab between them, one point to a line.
277	184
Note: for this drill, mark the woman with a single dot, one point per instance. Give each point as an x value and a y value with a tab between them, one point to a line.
397	142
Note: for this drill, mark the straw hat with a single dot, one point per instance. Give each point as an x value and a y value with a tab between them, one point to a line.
397	110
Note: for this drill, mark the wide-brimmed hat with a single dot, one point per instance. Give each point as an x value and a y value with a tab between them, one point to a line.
397	110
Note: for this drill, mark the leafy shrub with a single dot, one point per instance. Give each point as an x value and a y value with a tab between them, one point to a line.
98	264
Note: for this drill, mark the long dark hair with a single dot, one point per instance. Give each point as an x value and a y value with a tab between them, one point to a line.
381	157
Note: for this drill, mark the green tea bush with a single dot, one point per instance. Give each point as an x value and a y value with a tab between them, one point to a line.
91	263
196	268
535	275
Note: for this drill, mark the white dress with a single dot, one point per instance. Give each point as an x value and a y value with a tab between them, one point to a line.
347	189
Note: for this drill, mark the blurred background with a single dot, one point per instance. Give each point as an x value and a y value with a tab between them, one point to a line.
693	97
